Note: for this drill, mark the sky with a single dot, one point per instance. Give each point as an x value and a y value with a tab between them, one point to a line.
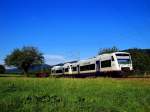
67	30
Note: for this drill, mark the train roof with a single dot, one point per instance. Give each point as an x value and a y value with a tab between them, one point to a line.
107	55
114	53
57	67
71	62
90	60
121	53
62	64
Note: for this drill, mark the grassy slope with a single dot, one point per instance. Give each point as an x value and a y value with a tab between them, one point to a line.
74	95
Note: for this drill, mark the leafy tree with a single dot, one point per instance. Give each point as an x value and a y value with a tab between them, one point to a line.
140	59
25	57
2	69
108	50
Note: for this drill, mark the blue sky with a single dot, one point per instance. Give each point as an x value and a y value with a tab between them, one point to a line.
73	29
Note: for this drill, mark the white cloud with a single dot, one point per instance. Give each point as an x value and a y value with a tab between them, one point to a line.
54	59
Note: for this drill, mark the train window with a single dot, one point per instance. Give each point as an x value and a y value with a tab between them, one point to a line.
82	68
124	61
66	69
106	63
74	68
87	67
112	58
92	67
58	71
122	54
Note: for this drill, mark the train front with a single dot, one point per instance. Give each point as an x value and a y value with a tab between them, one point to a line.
124	61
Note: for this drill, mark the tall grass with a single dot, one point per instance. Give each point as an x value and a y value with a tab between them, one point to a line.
74	95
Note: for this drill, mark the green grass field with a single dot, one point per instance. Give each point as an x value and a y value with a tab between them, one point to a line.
20	94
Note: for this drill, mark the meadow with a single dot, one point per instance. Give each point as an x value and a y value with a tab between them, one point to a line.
21	94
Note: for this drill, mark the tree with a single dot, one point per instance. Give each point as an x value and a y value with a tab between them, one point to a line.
140	59
2	69
25	57
108	50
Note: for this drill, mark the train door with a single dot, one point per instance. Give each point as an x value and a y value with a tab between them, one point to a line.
78	69
97	66
63	71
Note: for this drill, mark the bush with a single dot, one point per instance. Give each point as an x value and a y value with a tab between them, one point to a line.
2	69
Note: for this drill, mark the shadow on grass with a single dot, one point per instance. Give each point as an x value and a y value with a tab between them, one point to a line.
11	75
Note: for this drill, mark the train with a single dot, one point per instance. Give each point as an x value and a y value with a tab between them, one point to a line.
107	64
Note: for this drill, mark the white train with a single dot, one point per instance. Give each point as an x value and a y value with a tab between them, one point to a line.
57	70
109	63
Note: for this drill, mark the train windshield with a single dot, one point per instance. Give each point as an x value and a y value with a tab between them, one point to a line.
124	61
122	54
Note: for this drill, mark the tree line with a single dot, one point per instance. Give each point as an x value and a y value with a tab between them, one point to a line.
25	57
